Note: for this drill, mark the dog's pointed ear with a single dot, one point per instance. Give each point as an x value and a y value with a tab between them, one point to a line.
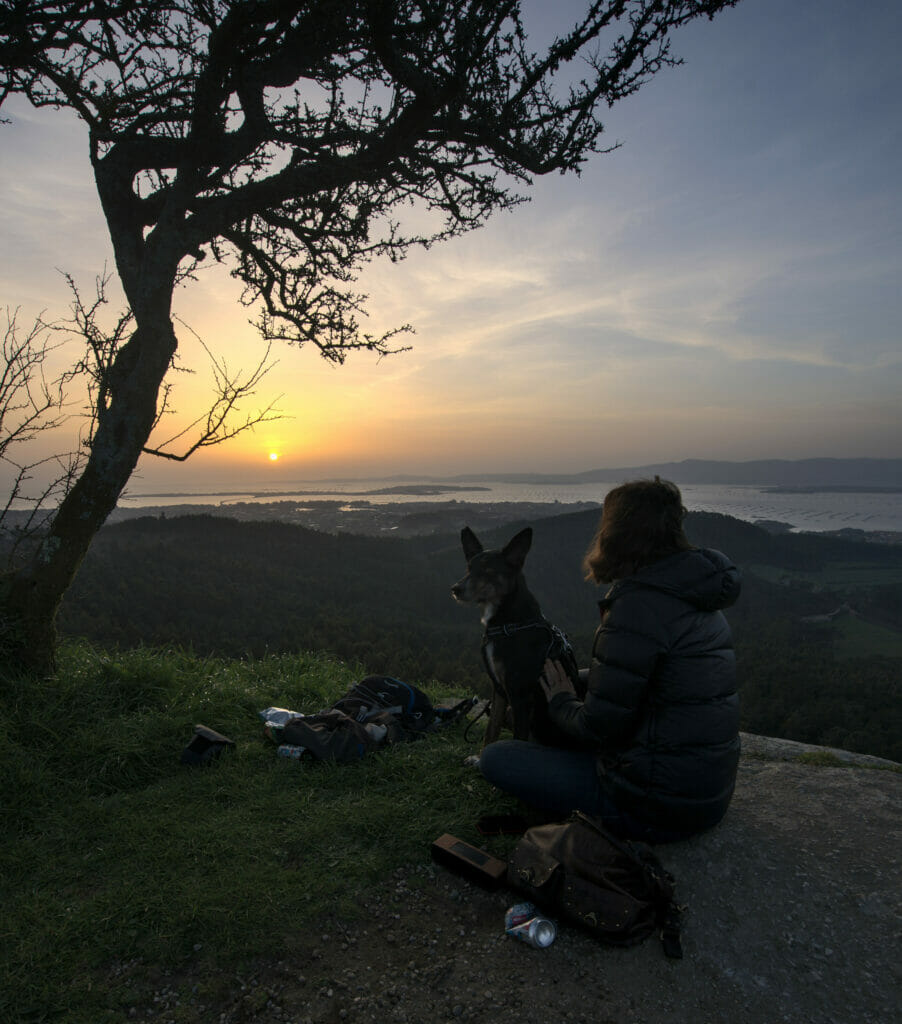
515	550
470	543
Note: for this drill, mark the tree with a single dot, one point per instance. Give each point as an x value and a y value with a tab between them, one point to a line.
283	139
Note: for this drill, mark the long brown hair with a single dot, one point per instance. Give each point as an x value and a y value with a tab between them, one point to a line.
641	523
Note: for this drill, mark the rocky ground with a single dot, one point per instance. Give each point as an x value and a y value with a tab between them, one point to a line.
792	915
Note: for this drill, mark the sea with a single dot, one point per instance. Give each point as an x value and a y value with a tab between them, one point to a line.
817	511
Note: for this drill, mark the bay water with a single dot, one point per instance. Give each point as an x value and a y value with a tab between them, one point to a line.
808	511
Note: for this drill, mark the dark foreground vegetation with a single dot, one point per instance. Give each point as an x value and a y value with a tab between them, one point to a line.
124	872
246	589
258	889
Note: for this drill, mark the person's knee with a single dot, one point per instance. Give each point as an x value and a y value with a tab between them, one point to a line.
492	762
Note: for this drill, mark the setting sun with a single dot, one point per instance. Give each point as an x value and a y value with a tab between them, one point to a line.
273	456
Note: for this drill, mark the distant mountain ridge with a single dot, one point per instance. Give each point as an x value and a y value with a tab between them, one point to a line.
763	472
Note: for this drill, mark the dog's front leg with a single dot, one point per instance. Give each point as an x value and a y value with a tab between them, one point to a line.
496	717
497	712
521	714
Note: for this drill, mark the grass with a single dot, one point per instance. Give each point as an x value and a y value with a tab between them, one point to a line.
112	851
856	638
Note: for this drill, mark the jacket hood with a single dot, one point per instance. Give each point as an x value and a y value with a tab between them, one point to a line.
703	577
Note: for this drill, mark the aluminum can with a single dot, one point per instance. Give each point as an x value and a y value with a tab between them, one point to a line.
290	750
525	923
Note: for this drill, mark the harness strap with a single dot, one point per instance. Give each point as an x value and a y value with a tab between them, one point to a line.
558	637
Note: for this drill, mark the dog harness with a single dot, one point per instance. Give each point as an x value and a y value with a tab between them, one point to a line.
559	649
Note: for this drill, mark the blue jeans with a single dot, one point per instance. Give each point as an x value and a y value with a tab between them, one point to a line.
561	781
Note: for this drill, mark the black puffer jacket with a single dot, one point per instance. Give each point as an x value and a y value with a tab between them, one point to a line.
661	700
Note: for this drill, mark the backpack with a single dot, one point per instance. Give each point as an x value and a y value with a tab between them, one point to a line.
376	695
617	889
328	736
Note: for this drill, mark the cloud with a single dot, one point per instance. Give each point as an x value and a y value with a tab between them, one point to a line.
50	218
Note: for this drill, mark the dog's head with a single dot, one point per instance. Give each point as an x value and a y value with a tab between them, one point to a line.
491	575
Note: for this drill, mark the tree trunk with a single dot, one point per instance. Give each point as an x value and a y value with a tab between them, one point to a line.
30	597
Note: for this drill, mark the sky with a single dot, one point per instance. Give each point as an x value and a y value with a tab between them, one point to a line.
724	285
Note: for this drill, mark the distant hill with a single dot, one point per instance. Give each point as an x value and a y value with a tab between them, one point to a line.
764	472
217	585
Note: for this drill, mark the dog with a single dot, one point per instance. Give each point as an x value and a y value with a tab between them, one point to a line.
517	639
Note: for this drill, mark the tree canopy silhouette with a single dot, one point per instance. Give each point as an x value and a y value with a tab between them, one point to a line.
285	139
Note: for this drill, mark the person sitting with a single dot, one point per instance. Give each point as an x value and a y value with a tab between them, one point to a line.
661	711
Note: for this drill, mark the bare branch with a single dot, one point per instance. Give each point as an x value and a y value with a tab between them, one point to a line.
101	348
32	404
218	424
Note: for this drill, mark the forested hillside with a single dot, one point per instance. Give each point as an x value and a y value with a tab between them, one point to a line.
244	588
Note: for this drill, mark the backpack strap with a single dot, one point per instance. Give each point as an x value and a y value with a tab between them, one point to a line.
448	715
668	910
670	932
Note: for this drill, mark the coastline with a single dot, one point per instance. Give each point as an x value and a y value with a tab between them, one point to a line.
399	519
860	512
418	518
813	506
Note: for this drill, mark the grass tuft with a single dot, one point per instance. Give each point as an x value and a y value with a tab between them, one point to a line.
821	758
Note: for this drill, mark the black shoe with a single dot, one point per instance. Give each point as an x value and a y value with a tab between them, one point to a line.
206	745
